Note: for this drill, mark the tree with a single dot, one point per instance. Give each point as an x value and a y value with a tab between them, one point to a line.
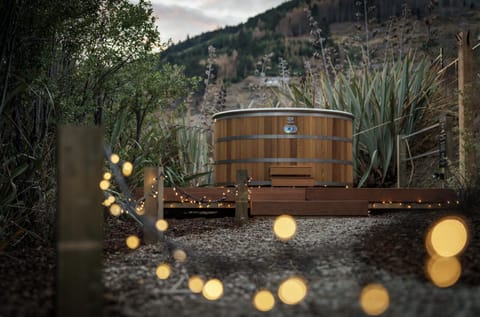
68	62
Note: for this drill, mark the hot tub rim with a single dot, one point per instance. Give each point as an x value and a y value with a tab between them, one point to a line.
255	112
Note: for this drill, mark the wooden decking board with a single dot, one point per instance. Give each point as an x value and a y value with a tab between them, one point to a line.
309	208
269	193
316	200
382	194
206	193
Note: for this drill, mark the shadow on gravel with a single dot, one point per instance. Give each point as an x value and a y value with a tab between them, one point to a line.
399	245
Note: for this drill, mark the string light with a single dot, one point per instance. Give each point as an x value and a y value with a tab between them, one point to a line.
163	271
443	271
133	242
447	237
115	210
213	289
179	255
114	158
107	176
104	184
161	225
127	169
285	227
374	299
195	284
263	301
292	291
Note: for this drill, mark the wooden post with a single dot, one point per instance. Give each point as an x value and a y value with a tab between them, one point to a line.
445	147
401	163
153	191
160	190
79	222
465	107
241	200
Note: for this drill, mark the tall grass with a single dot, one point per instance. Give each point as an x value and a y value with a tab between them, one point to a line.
385	102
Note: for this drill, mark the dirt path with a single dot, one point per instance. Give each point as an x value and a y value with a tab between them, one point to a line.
337	257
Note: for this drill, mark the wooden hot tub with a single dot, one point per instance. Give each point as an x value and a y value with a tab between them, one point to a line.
260	139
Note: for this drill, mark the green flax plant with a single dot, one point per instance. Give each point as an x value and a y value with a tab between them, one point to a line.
385	102
193	152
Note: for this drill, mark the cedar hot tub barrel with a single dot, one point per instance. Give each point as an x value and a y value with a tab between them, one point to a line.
258	139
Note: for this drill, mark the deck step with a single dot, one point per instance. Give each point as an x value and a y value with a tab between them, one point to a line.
309	208
291	171
292	181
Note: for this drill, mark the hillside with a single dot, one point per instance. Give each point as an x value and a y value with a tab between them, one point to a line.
285	32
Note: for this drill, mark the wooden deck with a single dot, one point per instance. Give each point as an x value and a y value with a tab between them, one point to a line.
312	201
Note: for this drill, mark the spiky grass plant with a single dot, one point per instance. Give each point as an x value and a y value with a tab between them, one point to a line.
385	102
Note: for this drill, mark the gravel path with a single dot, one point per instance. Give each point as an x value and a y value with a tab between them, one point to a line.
337	257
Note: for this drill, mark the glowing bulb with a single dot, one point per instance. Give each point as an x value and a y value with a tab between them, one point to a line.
263	301
292	291
179	255
374	299
133	242
163	271
448	237
140	210
161	225
195	284
213	289
107	176
111	199
443	272
284	227
114	158
104	184
127	169
115	210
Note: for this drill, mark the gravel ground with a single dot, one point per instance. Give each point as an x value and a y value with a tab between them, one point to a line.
337	257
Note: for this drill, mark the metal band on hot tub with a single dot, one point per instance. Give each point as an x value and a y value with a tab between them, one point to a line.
283	136
283	160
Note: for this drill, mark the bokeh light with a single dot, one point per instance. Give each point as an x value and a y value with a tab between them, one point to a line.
448	237
443	272
213	289
114	158
263	300
133	242
115	210
161	225
163	271
179	255
104	184
374	299
195	284
140	210
107	176
109	201
127	169
284	227
292	291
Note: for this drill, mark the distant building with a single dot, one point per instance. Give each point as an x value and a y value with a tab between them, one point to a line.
276	81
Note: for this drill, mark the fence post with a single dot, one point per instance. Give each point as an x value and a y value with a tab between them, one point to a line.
79	221
241	199
465	106
401	163
153	207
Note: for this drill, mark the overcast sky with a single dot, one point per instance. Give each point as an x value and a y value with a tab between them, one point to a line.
177	18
